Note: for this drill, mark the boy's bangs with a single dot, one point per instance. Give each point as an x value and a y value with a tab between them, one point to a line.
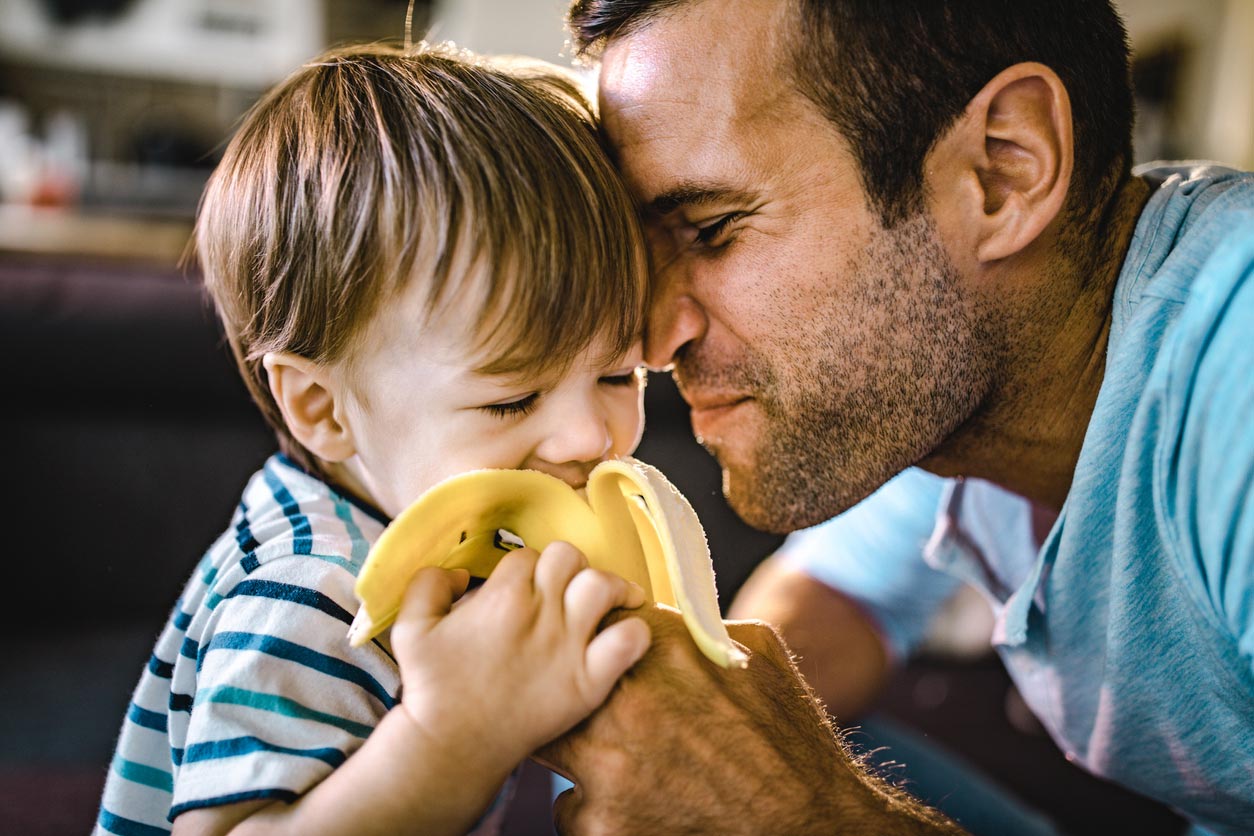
546	213
585	282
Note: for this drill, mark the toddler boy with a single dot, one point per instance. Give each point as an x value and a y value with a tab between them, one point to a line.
425	264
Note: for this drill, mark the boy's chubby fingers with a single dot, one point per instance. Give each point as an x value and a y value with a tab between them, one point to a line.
515	568
591	594
430	596
611	653
558	564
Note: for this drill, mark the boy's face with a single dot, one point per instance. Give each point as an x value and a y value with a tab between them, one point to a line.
419	412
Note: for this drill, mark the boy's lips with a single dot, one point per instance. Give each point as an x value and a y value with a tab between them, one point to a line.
575	477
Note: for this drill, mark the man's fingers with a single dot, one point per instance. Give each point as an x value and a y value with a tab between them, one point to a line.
430	596
572	816
565	811
611	653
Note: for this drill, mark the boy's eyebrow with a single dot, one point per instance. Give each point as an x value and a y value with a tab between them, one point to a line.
526	377
508	376
694	193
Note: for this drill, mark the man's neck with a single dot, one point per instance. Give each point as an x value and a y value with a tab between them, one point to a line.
1027	437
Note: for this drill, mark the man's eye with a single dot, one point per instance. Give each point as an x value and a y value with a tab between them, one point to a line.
712	234
518	408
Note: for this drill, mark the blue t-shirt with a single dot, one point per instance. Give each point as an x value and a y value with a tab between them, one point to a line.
1130	632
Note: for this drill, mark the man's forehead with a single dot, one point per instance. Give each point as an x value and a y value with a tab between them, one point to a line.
692	80
693	40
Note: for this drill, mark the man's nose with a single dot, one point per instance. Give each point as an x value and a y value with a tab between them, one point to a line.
675	318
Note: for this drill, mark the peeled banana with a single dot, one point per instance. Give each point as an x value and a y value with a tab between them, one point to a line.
633	522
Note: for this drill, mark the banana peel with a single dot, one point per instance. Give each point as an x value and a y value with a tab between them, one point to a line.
633	523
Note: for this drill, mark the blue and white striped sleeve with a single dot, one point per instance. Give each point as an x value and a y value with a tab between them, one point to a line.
873	553
281	697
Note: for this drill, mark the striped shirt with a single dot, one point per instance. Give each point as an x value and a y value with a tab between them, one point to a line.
252	691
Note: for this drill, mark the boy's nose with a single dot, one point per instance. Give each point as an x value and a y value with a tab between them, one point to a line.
578	438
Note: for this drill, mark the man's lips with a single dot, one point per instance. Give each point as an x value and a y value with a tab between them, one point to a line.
714	404
707	411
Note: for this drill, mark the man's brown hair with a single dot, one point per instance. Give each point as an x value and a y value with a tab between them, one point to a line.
375	166
893	75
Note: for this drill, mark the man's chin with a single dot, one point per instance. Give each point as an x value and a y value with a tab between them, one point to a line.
787	493
773	486
738	488
774	509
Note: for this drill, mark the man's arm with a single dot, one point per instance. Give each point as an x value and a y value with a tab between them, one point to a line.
853	596
683	746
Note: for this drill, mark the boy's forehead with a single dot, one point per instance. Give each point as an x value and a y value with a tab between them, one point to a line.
480	324
447	334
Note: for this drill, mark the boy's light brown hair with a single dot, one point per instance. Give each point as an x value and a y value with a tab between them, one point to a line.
375	166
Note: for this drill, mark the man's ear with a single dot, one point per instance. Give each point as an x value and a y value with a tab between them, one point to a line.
306	394
1005	166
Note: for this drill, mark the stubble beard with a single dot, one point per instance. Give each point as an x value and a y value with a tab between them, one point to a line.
843	405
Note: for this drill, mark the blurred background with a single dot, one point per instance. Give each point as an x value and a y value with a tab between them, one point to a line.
119	108
131	436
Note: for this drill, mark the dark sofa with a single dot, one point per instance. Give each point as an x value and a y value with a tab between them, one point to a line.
131	437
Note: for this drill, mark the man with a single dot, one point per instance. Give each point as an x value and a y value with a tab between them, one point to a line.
889	234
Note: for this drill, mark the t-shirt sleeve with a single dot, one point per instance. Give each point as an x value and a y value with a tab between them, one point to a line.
873	553
282	699
1215	465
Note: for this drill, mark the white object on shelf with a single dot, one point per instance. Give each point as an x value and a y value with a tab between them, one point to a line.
535	28
239	43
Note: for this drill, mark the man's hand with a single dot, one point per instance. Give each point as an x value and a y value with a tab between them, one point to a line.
838	648
683	746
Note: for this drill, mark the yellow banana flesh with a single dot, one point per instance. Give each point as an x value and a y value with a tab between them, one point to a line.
633	523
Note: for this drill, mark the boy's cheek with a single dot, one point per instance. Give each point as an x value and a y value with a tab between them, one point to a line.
626	419
635	429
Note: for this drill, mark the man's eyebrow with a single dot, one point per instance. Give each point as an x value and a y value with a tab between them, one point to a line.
694	194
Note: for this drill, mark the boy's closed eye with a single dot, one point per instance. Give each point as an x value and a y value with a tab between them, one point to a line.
627	378
515	408
521	407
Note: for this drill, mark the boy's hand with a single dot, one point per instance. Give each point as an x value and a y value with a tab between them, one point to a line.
519	662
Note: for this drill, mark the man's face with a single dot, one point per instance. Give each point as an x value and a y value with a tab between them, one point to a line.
820	352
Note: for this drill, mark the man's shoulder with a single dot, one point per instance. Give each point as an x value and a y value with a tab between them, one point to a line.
1192	435
1195	211
1192	176
1194	206
1179	349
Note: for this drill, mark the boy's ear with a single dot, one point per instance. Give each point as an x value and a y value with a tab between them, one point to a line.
1005	166
306	395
